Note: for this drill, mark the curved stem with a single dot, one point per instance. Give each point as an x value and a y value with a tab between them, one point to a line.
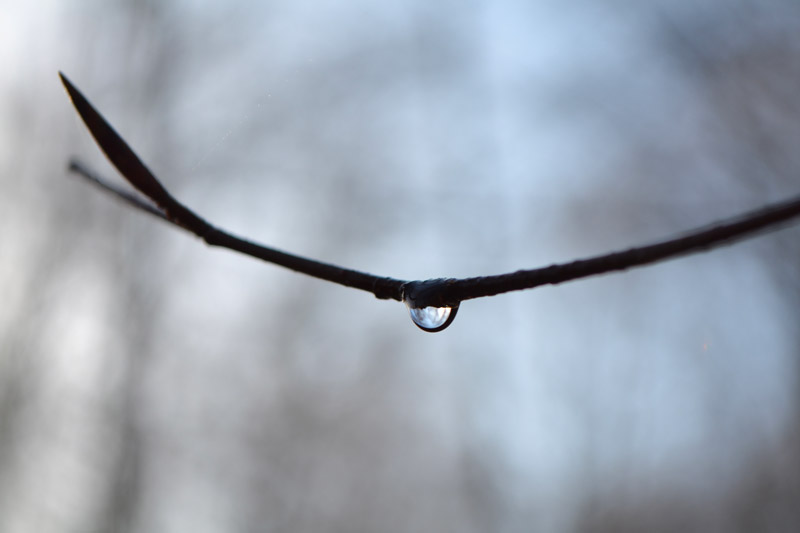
138	175
419	294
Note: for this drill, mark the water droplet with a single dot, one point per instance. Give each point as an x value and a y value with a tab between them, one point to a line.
431	318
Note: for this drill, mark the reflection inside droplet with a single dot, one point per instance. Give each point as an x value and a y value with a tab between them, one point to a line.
432	319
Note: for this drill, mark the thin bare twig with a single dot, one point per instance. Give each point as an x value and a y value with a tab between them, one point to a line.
138	175
417	294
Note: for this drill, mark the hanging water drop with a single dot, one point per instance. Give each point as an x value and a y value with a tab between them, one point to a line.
432	319
430	308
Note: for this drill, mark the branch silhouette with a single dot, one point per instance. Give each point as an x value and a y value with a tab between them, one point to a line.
432	303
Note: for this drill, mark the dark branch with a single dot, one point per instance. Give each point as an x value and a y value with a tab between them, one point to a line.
438	292
138	175
719	234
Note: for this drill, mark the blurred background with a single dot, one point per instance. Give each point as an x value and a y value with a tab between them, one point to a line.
150	383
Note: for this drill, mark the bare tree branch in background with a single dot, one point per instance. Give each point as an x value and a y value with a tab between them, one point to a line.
433	303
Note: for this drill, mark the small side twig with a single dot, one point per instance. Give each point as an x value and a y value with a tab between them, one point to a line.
131	199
